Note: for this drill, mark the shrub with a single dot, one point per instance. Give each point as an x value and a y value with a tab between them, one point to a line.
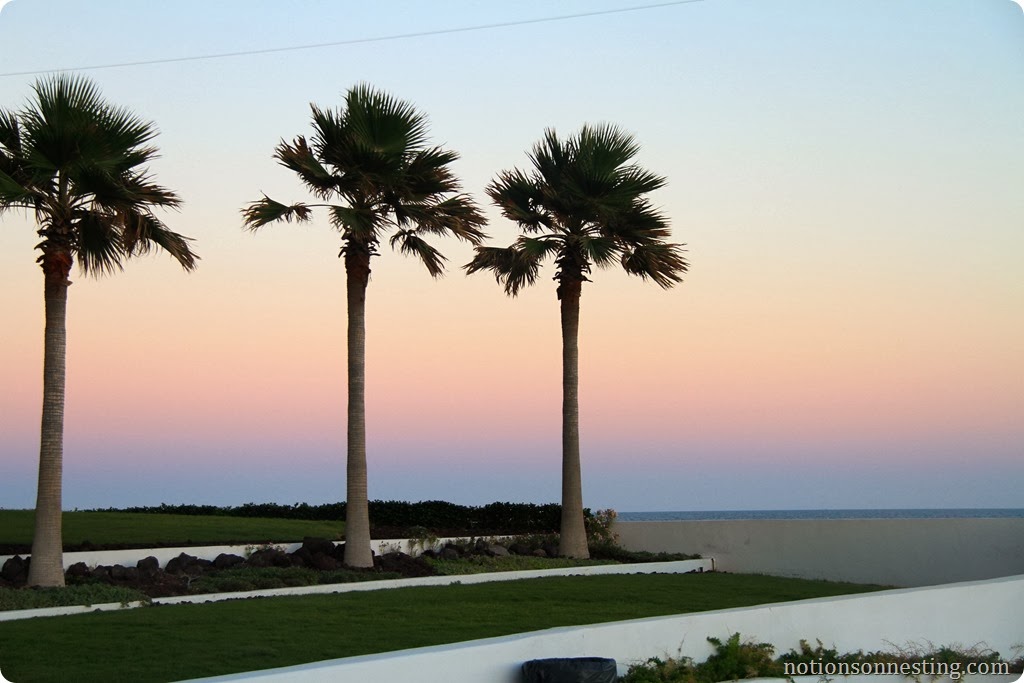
84	594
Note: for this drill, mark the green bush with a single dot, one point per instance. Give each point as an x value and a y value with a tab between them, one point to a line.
84	594
261	578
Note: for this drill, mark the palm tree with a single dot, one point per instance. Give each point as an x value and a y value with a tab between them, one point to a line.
371	158
582	204
76	162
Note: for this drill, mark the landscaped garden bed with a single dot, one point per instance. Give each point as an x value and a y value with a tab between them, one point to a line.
316	561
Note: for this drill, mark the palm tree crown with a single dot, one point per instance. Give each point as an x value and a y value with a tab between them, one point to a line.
371	157
77	163
582	204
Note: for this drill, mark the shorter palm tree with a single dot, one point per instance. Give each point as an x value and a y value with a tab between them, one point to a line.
582	204
77	163
370	157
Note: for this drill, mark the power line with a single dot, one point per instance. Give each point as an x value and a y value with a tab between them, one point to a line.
357	41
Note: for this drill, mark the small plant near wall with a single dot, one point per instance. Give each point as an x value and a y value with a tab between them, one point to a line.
421	538
736	659
599	528
251	549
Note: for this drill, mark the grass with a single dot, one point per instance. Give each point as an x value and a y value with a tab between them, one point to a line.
169	643
143	530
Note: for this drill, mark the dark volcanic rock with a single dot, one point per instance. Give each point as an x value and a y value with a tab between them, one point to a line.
77	570
117	572
495	550
148	566
324	562
227	561
269	557
181	563
315	545
15	569
406	565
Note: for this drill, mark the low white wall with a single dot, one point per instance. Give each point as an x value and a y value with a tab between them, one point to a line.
969	613
895	552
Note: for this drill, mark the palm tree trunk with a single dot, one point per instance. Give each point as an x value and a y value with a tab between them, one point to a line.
573	537
47	566
357	507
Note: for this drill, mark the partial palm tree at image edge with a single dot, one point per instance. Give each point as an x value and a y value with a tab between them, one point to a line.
75	161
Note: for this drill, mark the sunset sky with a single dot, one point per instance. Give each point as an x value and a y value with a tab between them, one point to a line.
847	177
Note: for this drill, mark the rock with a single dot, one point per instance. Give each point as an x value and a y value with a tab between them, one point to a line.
180	564
339	552
449	553
117	572
15	569
551	549
540	552
270	557
520	549
148	566
302	557
323	562
131	574
102	573
77	570
316	545
227	561
495	550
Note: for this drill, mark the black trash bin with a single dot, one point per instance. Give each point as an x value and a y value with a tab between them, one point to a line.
570	670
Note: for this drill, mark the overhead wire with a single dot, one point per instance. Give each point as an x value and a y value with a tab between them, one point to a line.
356	41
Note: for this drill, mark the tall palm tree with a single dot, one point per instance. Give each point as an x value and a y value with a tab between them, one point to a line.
582	204
371	159
76	162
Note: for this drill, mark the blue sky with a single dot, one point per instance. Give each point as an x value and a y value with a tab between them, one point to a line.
846	175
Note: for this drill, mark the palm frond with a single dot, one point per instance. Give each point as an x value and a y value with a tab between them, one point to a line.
521	199
411	244
100	248
600	249
381	123
661	262
266	210
143	232
514	266
457	216
299	158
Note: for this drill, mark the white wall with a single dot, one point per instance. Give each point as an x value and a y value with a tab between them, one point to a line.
893	552
969	613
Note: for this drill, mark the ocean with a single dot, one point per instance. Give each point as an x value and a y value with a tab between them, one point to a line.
937	513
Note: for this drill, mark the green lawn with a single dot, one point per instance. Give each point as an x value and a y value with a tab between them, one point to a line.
142	530
170	643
